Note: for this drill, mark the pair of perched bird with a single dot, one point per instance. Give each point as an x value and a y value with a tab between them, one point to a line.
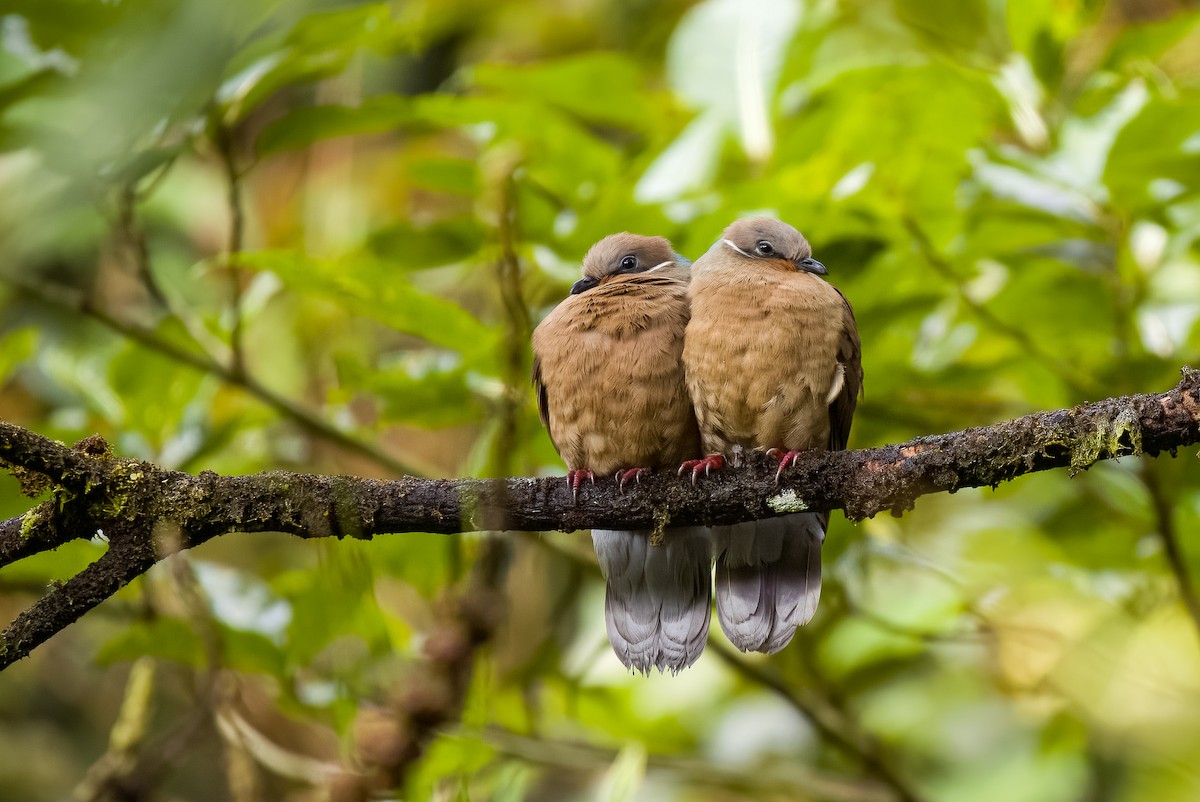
652	363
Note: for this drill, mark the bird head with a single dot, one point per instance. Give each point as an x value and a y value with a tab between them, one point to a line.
626	257
770	241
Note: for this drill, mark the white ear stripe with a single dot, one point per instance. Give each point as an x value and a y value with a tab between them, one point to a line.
661	265
736	248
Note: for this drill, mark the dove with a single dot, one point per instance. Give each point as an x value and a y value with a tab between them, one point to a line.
608	373
773	363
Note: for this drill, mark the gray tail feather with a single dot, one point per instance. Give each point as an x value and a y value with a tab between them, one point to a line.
659	598
768	578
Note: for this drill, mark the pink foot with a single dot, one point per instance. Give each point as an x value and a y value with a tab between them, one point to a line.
713	462
576	478
786	459
632	475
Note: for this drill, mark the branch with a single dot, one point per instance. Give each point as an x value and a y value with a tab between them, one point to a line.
30	453
834	724
388	741
1165	518
130	500
786	781
832	727
223	139
1076	379
63	606
66	299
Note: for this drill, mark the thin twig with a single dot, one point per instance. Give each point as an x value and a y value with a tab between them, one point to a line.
823	717
131	231
792	780
1079	382
517	325
828	721
224	140
1165	524
133	240
433	694
309	422
113	777
217	685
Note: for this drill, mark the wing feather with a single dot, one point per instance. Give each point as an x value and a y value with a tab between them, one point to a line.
841	409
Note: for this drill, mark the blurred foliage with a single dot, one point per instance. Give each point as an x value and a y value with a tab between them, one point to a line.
322	193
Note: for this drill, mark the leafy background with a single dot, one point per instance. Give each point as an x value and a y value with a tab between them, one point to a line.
241	235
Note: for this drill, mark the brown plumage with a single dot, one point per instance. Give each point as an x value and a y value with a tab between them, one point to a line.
773	362
609	377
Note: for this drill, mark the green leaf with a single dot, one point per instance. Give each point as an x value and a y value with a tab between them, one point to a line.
317	46
27	86
50	566
560	155
448	756
302	127
857	645
459	176
733	87
601	88
963	26
332	602
421	390
1160	145
434	245
164	638
18	346
175	639
366	286
625	775
1153	41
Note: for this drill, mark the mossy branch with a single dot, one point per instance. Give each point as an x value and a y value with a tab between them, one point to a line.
133	502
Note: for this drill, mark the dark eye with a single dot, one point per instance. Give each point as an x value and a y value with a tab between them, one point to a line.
628	262
764	248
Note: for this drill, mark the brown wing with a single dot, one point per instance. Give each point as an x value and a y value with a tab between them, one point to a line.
539	387
841	410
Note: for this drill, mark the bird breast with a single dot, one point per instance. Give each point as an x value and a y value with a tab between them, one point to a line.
779	333
611	363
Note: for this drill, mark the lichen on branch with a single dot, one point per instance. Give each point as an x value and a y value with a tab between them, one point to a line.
131	500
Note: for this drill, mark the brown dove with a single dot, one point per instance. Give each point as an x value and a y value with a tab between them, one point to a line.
608	371
773	364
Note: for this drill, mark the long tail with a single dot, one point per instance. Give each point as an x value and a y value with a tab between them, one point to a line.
659	599
768	578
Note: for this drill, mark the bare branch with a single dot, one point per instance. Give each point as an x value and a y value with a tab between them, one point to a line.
517	325
223	138
69	468
40	529
389	740
1164	516
1074	378
790	780
130	500
64	605
826	720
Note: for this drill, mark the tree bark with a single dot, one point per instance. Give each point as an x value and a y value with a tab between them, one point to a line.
134	503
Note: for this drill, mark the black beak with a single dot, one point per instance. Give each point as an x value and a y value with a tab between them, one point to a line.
584	284
811	265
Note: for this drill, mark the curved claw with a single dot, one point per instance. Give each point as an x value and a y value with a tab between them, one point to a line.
575	479
787	459
625	477
713	462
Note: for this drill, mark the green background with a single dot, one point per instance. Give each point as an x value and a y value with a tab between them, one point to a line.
326	194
